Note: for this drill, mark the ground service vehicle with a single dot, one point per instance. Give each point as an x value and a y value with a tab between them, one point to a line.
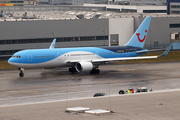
121	92
142	89
99	94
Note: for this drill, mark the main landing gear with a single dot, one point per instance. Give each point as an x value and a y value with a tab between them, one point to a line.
72	70
95	71
21	74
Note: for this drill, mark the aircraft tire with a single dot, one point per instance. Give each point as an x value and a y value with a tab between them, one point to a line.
95	71
21	74
121	92
72	70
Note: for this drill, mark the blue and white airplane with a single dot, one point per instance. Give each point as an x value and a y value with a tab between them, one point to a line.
84	59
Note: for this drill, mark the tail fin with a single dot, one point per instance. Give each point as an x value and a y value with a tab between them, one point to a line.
52	44
139	37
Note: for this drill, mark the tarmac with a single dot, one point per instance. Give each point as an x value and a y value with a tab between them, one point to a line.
138	106
45	94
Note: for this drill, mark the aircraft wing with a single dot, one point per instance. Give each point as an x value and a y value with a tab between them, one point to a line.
112	59
122	58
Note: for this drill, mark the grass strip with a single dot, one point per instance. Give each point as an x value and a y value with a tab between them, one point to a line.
6	65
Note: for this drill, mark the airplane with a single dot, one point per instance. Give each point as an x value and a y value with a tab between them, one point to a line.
85	59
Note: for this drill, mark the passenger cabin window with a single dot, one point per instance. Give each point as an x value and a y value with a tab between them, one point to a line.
44	56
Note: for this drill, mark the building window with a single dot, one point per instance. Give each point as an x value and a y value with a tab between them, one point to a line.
154	11
44	40
174	25
9	52
175	6
156	44
20	1
13	1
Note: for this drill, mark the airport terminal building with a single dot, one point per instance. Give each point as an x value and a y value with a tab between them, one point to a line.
111	29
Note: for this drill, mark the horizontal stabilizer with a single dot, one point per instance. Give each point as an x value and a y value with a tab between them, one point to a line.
154	50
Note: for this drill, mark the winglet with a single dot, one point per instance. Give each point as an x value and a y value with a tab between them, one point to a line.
166	51
53	44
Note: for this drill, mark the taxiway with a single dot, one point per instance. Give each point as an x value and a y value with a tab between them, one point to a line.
48	88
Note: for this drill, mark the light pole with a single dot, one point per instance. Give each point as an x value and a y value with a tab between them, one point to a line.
104	36
53	34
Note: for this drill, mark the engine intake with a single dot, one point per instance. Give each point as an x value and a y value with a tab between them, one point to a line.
84	66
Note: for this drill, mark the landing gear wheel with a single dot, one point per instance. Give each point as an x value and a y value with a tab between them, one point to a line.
72	70
21	74
95	71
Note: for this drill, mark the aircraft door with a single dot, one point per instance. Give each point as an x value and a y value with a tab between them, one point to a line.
97	54
59	56
127	52
29	57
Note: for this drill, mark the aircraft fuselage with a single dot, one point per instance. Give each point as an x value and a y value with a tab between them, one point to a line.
44	58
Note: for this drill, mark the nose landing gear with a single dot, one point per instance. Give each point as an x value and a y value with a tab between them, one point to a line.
21	74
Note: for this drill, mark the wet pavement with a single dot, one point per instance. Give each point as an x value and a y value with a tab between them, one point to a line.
59	85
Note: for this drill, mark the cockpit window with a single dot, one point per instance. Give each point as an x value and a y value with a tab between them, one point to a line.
16	56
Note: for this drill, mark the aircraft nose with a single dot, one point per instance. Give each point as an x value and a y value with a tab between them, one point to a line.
10	61
13	62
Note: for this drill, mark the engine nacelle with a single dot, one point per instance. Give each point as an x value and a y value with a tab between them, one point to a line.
84	66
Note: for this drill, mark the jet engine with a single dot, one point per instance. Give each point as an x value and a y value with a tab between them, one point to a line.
84	66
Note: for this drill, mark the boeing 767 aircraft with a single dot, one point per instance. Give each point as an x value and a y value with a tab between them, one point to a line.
84	59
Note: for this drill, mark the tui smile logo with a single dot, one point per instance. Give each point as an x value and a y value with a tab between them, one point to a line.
141	40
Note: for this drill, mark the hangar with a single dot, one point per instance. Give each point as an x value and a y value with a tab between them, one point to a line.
109	29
